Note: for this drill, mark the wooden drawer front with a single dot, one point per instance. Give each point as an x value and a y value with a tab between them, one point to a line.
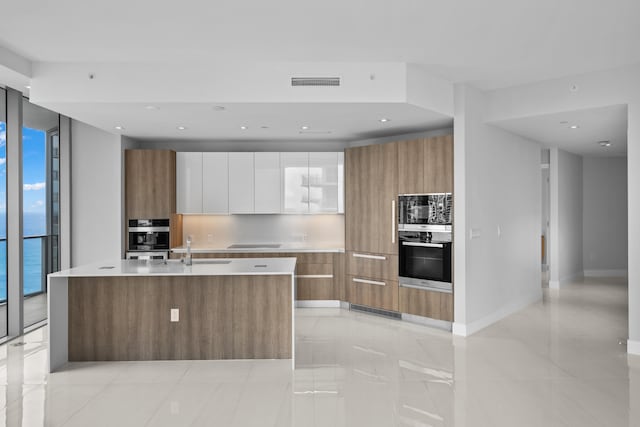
373	293
314	269
372	265
435	305
315	288
302	258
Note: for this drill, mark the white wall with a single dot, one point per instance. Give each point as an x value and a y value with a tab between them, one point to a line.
95	195
498	175
605	228
567	265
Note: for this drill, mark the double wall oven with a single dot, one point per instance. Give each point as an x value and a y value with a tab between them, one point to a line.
424	236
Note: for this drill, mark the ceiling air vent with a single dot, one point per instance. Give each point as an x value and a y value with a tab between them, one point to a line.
315	81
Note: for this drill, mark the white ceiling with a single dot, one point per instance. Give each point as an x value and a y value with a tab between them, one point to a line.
489	44
594	125
326	121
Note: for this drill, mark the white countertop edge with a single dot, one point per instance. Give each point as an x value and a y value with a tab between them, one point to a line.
236	267
282	249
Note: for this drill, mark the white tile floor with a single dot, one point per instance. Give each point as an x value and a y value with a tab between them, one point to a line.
556	363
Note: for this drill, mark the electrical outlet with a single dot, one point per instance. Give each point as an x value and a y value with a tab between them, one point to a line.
175	315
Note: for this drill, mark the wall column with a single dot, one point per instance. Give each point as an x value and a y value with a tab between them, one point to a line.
15	291
633	182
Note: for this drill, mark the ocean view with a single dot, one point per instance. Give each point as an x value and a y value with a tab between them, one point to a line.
34	224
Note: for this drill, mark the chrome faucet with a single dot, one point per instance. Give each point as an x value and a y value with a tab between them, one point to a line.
187	259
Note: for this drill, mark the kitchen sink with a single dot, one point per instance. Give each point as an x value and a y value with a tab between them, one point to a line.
254	246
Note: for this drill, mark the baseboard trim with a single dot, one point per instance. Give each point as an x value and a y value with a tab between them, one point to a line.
318	304
427	321
557	284
464	330
633	347
605	273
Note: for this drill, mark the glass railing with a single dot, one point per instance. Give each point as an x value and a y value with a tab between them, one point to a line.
34	249
34	266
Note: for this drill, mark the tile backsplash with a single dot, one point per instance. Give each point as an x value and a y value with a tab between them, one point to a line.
223	230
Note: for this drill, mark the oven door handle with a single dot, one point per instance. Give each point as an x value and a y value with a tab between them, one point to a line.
426	245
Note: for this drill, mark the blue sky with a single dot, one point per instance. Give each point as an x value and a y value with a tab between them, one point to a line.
34	169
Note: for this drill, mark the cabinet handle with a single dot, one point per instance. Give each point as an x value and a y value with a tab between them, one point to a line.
367	256
393	221
369	282
314	276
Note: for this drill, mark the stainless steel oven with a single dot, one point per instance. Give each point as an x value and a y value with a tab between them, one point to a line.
147	235
425	263
416	211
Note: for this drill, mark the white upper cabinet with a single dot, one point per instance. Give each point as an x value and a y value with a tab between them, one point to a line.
323	182
267	188
295	182
241	182
215	183
262	183
189	182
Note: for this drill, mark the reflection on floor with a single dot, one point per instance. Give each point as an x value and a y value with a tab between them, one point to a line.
555	363
35	310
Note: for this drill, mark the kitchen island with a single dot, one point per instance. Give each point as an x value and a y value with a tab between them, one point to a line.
136	310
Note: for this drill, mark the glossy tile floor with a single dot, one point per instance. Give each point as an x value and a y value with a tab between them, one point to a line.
556	363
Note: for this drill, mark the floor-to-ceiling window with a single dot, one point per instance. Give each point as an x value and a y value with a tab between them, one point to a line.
39	176
3	214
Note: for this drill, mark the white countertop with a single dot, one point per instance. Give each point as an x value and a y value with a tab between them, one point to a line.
200	267
284	247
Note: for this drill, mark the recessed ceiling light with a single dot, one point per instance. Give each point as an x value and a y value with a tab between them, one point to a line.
264	127
28	87
304	127
119	127
181	127
605	143
150	107
384	120
574	126
244	127
564	122
218	108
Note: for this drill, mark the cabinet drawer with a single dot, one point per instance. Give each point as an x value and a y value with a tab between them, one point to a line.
314	269
381	266
373	293
315	288
435	305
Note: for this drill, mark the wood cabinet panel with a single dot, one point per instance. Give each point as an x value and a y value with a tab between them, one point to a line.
221	317
373	293
438	164
339	272
435	305
315	289
376	266
371	192
314	269
411	166
446	307
150	183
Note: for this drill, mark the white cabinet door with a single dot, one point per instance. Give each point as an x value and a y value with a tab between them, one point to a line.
215	183
267	182
295	182
241	183
323	182
189	182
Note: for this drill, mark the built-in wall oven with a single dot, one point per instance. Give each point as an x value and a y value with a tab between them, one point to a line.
148	236
424	238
